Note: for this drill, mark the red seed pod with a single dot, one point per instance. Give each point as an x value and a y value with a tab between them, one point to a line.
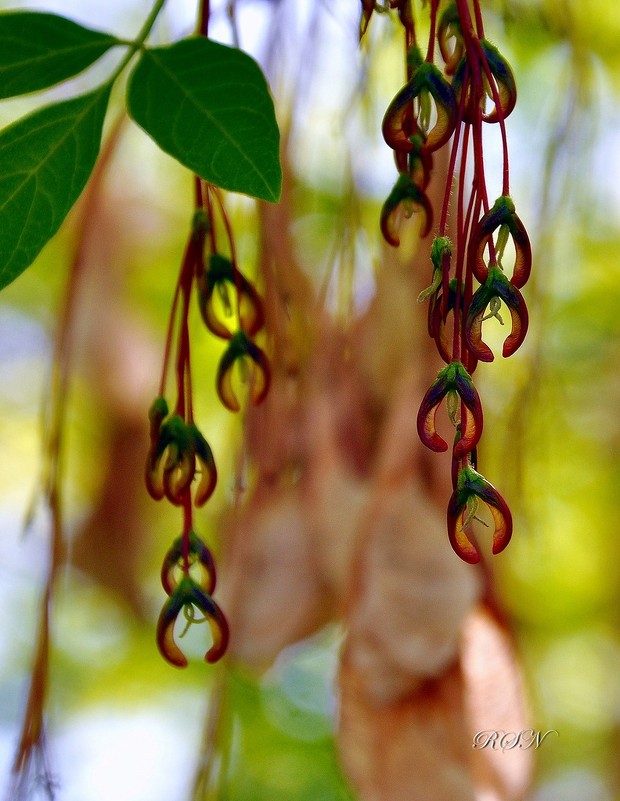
502	213
497	286
489	60
188	594
406	198
449	27
426	83
157	414
438	319
471	486
221	279
453	378
206	462
197	553
242	349
179	471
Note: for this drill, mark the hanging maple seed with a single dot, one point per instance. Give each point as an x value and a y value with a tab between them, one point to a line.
458	462
427	82
157	414
417	164
185	596
449	27
406	198
441	294
471	488
421	119
180	464
171	461
489	65
501	214
208	471
454	378
218	281
504	81
192	548
495	289
439	310
241	350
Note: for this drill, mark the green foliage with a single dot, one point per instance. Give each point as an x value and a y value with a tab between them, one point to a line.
46	159
269	720
205	104
219	119
40	50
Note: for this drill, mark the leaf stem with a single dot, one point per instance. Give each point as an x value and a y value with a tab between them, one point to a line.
203	18
140	39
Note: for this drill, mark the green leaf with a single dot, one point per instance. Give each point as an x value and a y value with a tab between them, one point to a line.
209	107
45	160
40	50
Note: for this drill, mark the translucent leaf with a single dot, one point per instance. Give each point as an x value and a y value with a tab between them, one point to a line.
45	161
40	50
209	107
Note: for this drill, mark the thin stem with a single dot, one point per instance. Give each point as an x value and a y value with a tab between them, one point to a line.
188	389
479	176
407	20
473	213
231	244
479	22
462	222
467	296
187	527
232	17
210	778
181	281
169	336
209	208
227	225
140	39
430	54
453	155
465	19
202	29
500	118
198	202
182	365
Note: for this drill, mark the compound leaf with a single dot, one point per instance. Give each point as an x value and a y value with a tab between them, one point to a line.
39	50
209	106
46	159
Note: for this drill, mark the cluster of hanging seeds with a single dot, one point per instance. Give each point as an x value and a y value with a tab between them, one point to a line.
469	280
180	464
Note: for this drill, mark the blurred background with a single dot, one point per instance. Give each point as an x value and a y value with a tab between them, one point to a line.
317	464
